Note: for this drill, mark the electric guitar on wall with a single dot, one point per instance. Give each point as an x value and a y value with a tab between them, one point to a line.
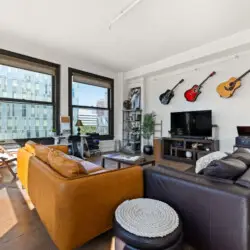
227	89
166	97
192	94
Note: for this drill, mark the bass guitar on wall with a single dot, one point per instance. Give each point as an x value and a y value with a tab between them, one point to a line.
227	89
166	97
192	94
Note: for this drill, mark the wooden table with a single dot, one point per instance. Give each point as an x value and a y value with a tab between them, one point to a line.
141	162
6	160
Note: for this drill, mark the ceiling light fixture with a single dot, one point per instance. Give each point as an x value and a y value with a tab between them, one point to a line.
123	12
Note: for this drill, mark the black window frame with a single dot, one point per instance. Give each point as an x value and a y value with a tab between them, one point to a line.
55	94
110	107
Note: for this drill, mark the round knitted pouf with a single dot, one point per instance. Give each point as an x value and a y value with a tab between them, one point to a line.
147	224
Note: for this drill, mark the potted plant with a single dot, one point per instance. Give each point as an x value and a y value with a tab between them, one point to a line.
148	127
53	132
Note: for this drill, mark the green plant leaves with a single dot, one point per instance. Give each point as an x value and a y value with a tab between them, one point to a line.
148	125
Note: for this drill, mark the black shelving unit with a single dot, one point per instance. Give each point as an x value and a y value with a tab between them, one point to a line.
132	131
174	148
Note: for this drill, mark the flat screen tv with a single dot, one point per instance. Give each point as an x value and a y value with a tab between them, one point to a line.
192	123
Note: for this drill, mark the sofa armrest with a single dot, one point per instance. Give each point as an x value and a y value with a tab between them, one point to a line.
23	157
215	215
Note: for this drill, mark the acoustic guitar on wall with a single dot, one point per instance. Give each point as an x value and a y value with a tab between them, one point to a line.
227	89
166	97
192	94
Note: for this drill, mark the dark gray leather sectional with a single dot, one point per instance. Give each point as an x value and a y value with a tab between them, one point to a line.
215	212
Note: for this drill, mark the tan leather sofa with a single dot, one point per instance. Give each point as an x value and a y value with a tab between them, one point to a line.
76	209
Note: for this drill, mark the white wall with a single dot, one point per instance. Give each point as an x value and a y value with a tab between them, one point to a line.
232	44
227	113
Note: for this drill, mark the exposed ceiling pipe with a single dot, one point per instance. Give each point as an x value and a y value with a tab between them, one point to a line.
123	12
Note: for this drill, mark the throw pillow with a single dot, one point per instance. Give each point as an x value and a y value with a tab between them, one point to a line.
226	168
242	154
65	166
42	152
204	161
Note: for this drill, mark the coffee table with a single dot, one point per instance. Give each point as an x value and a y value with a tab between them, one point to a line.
128	160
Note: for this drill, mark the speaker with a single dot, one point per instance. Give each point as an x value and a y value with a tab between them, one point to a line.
157	149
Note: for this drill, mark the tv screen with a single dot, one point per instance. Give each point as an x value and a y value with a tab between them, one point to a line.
192	123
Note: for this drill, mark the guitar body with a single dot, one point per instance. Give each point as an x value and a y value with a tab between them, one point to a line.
166	97
192	94
227	89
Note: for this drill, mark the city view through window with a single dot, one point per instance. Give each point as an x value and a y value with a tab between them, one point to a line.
26	105
92	108
20	115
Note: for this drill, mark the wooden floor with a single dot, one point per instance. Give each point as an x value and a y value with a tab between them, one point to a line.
20	225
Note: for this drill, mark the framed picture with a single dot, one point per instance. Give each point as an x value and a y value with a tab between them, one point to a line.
135	98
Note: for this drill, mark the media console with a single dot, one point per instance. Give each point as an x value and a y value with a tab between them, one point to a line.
175	148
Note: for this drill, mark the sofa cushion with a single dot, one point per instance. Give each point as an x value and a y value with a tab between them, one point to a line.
204	161
226	168
30	147
91	167
244	180
242	154
42	152
63	165
88	166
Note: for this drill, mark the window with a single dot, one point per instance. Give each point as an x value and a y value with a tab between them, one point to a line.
28	96
91	101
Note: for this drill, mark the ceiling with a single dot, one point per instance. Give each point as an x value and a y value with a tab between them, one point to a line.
153	30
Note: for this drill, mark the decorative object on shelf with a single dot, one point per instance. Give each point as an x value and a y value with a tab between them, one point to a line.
227	89
197	146
131	131
79	125
127	104
148	128
192	94
135	98
188	154
166	97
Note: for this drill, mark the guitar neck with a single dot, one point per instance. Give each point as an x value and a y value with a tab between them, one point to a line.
239	78
212	74
182	80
